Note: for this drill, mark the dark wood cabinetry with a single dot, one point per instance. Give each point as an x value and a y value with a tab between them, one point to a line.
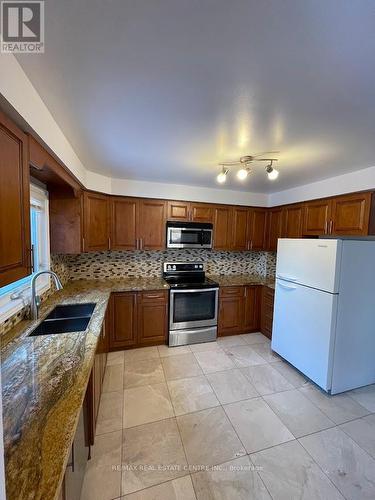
350	214
190	211
266	311
202	212
138	319
123	214
292	221
316	217
96	230
256	228
222	227
274	228
151	224
240	228
238	310
251	308
14	204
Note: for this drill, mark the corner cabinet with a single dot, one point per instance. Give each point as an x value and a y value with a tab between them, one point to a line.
15	258
266	310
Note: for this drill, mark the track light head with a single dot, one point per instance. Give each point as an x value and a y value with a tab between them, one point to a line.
272	172
222	177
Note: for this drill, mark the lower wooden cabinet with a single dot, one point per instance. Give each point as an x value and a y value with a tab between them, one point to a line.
266	311
238	310
138	319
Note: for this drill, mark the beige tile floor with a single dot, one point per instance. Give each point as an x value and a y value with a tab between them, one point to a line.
227	420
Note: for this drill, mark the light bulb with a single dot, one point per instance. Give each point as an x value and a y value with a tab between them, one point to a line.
242	174
273	174
222	177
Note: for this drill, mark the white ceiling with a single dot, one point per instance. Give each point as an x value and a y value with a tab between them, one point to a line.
164	90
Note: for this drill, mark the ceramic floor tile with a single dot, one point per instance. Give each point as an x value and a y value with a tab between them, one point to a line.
143	372
115	358
113	378
182	366
151	454
214	361
102	479
244	355
145	404
236	479
290	473
365	396
298	413
177	489
256	424
266	379
362	431
340	408
231	386
350	468
291	374
254	338
230	340
142	353
209	438
110	412
166	351
264	350
191	394
206	346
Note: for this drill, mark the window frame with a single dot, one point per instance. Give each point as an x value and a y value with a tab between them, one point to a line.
22	294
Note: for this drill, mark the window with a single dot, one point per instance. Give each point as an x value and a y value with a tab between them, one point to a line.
40	256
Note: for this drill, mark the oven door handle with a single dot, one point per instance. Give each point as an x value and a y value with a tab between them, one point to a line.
195	290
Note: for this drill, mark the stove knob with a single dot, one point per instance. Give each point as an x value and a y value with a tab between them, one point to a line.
201	266
196	267
174	268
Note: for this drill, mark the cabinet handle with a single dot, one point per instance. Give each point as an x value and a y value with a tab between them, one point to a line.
330	226
109	243
140	243
136	244
83	244
325	227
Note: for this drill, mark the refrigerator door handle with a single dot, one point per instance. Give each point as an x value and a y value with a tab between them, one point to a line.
287	287
286	278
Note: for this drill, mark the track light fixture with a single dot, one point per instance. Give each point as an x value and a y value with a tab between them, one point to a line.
222	177
245	167
243	173
272	172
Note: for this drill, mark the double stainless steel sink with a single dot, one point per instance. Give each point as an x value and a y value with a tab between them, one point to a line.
66	318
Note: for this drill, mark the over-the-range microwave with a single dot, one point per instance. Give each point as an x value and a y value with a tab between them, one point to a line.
189	235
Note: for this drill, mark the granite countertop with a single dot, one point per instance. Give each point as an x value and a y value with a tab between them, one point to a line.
44	380
242	279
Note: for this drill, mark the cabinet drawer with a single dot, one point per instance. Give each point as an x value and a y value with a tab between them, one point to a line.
156	295
232	291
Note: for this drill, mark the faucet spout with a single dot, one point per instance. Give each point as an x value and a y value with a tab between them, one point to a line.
35	299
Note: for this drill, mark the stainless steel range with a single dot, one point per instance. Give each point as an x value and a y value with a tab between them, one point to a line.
193	303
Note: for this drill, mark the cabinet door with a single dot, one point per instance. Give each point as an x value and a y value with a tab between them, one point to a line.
123	223
256	228
152	317
240	231
266	311
316	217
350	214
231	310
123	331
95	222
151	224
14	204
292	221
222	228
202	212
274	229
179	210
251	309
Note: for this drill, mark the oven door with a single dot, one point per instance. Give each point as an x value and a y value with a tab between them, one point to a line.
193	308
185	237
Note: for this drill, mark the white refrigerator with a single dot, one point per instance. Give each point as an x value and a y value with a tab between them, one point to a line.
324	312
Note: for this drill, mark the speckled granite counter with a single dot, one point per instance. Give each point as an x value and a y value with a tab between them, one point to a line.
242	279
44	382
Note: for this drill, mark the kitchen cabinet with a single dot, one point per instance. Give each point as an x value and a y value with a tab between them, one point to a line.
251	308
96	230
316	217
240	230
222	227
189	211
123	212
151	220
350	214
274	227
231	307
256	228
152	317
138	319
292	221
266	310
15	250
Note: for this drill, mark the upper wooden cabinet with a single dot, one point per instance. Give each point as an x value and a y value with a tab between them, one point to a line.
274	228
151	229
96	229
190	211
240	230
14	204
316	217
256	228
292	221
350	214
222	227
123	213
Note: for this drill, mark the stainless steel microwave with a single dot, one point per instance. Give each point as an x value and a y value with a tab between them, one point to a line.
189	235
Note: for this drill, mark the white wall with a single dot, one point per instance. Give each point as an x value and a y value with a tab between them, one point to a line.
360	180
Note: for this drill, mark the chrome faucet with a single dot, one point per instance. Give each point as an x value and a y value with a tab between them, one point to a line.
35	299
